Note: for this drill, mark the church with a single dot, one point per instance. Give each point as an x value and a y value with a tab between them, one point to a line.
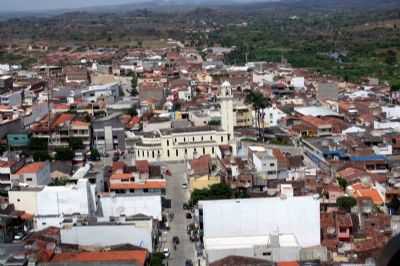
188	143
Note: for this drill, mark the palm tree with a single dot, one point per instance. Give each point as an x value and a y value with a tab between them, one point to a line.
259	102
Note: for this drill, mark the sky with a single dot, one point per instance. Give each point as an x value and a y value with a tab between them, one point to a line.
34	5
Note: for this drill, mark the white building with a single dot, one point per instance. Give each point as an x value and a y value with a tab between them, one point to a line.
272	116
108	92
274	229
297	82
113	205
179	144
50	205
138	233
266	164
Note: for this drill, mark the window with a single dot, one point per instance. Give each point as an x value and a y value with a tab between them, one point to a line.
266	253
147	154
229	137
18	200
167	142
142	153
184	139
271	164
152	154
222	138
202	138
212	150
176	152
185	151
210	137
204	150
168	153
29	180
193	139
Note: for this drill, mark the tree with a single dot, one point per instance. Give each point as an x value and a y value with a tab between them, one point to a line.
59	182
38	144
259	102
94	155
76	144
41	156
346	203
64	155
134	83
216	191
342	183
156	259
391	57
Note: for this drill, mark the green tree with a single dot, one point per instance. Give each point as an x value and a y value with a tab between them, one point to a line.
64	155
156	259
342	183
346	203
41	156
38	144
94	154
216	191
76	144
259	102
134	83
59	182
391	57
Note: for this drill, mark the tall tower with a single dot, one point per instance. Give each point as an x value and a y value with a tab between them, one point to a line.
226	101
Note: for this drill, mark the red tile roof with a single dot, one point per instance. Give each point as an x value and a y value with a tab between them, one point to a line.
31	168
138	256
118	166
288	263
201	165
315	121
142	166
148	184
121	176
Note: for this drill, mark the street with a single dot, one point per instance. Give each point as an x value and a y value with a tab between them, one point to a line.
178	196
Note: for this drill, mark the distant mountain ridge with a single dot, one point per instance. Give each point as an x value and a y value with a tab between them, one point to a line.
186	5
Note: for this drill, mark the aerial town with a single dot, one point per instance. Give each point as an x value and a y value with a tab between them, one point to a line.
169	155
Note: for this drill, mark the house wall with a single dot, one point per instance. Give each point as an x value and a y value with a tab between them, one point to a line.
24	200
12	98
268	166
272	116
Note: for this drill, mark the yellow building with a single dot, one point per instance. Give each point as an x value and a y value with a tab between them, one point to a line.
243	116
203	182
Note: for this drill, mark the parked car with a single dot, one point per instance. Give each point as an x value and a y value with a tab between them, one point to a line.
188	215
166	252
184	186
188	263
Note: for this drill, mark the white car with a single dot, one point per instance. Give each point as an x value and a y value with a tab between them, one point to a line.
166	252
184	186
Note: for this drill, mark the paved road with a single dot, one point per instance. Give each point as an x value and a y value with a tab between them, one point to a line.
178	196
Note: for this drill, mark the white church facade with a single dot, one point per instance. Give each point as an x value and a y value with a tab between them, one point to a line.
189	143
